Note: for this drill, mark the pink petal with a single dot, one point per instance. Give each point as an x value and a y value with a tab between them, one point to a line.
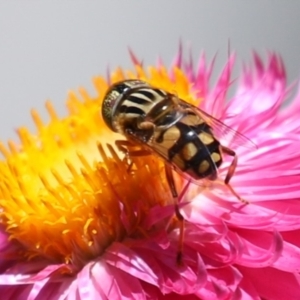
273	284
115	284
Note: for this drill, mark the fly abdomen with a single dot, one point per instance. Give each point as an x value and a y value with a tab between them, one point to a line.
195	152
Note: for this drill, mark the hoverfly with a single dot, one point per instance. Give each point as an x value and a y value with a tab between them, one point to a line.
185	137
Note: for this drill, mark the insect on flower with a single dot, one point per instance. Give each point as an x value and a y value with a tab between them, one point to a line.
159	122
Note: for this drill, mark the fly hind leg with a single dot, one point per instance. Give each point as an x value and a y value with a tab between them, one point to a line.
179	216
231	171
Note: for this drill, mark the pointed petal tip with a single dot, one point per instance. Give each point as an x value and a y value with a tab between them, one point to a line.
134	58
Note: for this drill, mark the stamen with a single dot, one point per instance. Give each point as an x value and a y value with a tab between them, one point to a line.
65	196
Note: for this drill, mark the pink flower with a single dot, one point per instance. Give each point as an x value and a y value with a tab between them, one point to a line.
252	251
231	250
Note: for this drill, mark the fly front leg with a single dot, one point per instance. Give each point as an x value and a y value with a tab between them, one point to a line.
130	150
124	146
231	171
171	182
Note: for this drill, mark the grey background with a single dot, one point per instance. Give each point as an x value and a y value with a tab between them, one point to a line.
49	47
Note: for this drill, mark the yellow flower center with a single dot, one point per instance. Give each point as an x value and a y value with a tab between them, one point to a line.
65	190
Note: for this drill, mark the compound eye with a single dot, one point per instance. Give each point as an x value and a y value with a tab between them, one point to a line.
108	106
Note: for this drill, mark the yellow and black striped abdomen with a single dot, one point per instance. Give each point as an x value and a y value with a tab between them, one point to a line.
195	151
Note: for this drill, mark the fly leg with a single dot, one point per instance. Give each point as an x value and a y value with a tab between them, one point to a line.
130	149
124	146
179	216
230	172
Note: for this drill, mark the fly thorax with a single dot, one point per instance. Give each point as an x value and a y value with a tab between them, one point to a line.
164	113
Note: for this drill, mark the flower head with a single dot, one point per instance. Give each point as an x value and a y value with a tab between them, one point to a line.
80	221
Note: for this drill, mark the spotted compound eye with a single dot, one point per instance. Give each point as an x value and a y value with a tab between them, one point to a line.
109	105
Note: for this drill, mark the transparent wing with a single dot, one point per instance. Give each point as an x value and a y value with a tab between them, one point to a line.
225	134
162	141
